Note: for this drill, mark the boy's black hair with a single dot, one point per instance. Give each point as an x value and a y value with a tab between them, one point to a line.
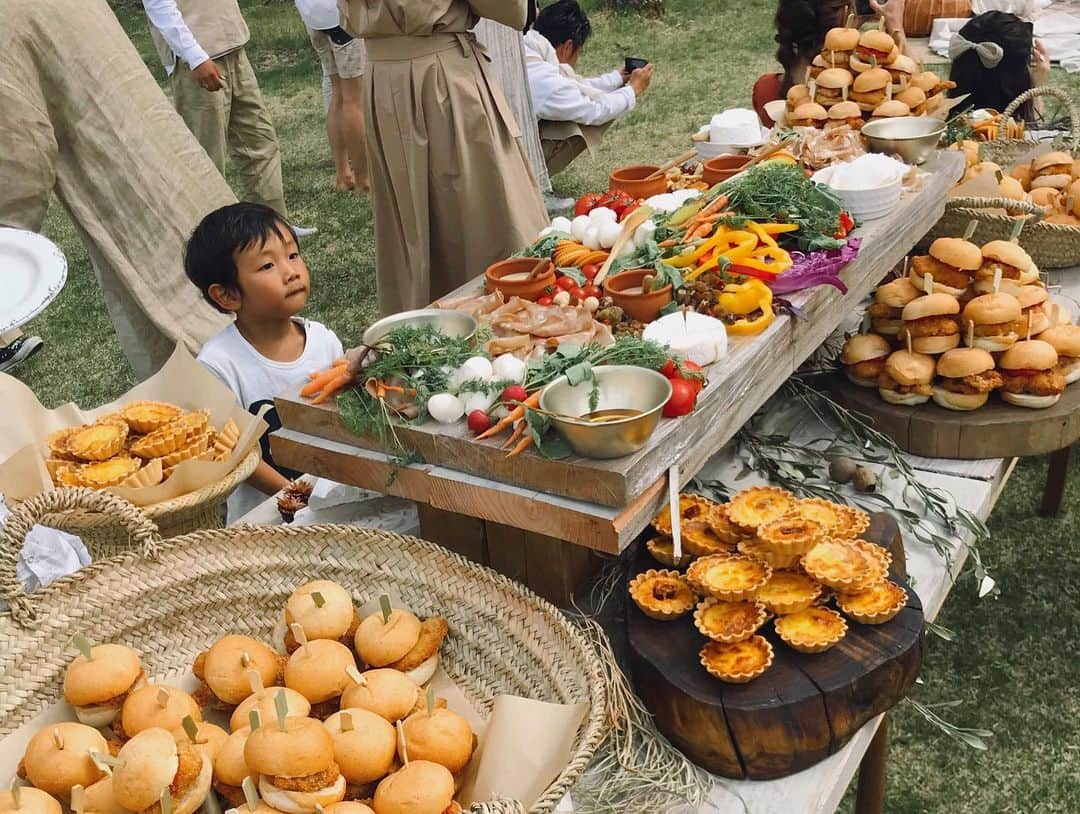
563	20
210	256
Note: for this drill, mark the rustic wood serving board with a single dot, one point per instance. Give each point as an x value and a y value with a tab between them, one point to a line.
801	710
738	385
996	430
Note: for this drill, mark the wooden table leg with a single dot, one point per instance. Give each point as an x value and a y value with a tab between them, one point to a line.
1056	475
870	793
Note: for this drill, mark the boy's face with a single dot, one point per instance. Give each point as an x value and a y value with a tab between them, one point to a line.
272	278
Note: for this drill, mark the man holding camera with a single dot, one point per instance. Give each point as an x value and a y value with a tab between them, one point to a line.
573	111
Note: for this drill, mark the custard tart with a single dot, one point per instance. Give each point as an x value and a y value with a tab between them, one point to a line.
878	560
728	621
755	548
731	577
150	475
147	416
791	534
662	595
852	524
874	606
838	564
813	630
722	526
98	442
737	662
699	541
758	505
788	592
194	449
57	442
173	436
692	508
829	515
65	475
662	549
113	472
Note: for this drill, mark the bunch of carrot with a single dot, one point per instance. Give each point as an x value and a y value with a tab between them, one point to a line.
325	384
520	438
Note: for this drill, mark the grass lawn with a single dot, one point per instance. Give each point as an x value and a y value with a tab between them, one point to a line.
1014	665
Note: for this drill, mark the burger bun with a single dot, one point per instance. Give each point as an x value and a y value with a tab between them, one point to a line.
388	693
933	345
366	751
147	765
379	643
959	401
1030	401
55	770
422	787
226	674
318	671
441	736
330	621
32	801
297	706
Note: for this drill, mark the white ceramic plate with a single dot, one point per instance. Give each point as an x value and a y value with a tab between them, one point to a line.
33	270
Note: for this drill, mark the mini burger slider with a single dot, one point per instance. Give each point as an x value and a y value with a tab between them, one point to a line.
796	95
875	44
401	642
365	748
1053	170
422	787
99	798
323	609
870	88
1032	299
808	114
886	312
441	736
914	98
1065	339
966	379
840	44
155	705
817	65
59	757
832	85
996	318
906	378
951	264
31	801
230	768
153	762
1016	267
863	358
845	114
98	687
891	109
390	694
295	764
1032	379
224	670
901	70
296	706
931	323
319	671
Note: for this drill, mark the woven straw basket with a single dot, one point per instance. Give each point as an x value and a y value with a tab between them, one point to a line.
105	536
193	589
1005	151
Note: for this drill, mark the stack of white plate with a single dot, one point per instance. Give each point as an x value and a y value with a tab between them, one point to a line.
873	201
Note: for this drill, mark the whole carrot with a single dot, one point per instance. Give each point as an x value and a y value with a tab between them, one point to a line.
511	417
321	379
523	445
333	387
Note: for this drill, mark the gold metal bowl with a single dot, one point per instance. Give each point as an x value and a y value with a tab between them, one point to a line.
913	138
450	323
602	432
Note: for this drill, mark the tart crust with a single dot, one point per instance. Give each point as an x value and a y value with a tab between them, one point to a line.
731	577
98	442
662	549
788	592
722	526
692	508
737	662
874	606
753	547
699	540
173	436
813	630
225	440
729	621
113	472
758	505
838	564
791	534
57	442
854	523
147	416
194	449
662	595
830	515
150	475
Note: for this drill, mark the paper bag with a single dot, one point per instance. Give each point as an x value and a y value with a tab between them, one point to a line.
181	381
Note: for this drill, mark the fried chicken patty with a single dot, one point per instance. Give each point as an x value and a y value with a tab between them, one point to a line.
432	632
1041	383
191	764
930	326
234	795
312	782
870	369
880	310
887	382
977	383
1000	328
941	272
117	701
1008	272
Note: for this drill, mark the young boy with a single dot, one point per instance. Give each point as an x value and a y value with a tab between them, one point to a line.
245	261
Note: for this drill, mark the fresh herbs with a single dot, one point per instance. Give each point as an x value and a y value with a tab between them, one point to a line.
545	246
626	350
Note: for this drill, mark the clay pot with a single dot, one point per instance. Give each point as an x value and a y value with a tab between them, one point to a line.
496	278
642	306
722	167
631	181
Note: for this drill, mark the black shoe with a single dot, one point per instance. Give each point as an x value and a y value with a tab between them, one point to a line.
19	351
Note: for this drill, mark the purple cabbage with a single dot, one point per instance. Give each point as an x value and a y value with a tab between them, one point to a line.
816	268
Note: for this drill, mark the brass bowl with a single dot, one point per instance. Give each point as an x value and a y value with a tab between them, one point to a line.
913	138
619	387
451	323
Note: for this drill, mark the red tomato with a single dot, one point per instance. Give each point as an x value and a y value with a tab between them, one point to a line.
627	210
545	300
586	203
478	421
683	398
669	370
577	293
566	283
590	270
592	290
691	371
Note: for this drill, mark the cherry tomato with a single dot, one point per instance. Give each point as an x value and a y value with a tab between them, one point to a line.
683	398
669	370
691	371
577	293
566	283
545	300
592	290
627	210
513	394
590	270
478	421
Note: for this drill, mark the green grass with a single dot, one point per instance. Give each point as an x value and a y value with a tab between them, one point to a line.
1014	666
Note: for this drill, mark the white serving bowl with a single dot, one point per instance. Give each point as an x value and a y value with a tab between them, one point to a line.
865	204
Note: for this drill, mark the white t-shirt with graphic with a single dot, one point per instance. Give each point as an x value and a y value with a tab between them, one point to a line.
256	380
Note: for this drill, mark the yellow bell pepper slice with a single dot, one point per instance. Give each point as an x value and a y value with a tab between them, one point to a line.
761	234
772	259
735	254
747	298
691	258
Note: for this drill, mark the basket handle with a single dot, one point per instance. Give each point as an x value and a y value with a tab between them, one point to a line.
1034	213
500	806
1057	93
143	532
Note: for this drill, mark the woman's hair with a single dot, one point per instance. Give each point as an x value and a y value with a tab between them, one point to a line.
995	87
801	26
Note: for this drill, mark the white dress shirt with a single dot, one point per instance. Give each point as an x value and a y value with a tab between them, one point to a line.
167	19
319	15
559	94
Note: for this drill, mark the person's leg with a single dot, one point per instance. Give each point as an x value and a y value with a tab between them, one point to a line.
352	121
252	140
335	132
205	113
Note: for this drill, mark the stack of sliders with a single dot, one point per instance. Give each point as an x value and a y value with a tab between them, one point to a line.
312	723
1018	342
933	86
1050	181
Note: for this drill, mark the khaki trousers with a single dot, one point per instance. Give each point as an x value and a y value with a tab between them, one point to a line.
565	141
234	118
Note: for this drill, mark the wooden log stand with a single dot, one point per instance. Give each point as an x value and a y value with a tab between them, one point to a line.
803	709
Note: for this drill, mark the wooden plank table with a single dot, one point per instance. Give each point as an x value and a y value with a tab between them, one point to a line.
524	509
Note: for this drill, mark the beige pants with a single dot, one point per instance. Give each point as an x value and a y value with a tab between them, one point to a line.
346	61
565	141
234	118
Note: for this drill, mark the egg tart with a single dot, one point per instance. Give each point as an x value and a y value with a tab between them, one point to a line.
878	559
691	508
874	606
737	662
722	526
829	515
64	473
791	534
147	416
731	577
758	505
194	449
838	564
728	621
853	524
173	436
813	630
98	442
788	592
755	548
699	541
57	442
662	549
662	595
113	472
225	440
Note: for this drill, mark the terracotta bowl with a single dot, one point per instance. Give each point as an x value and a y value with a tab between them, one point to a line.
497	274
631	180
644	307
723	167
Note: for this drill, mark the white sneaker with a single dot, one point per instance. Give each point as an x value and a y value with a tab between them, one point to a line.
555	205
304	231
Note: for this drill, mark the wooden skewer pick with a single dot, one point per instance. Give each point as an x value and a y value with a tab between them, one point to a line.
250	795
166	801
850	21
971	333
806	81
245	659
999	175
105	762
58	739
356	676
83	644
232	811
318	599
907	337
844	92
78	800
163	698
970	230
301	638
318	808
384	605
255	681
16	792
997	279
401	742
832	58
347	722
928	283
676	514
191	728
281	706
881	24
907	259
254	719
430	700
888	93
1017	228
1031	316
866	321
